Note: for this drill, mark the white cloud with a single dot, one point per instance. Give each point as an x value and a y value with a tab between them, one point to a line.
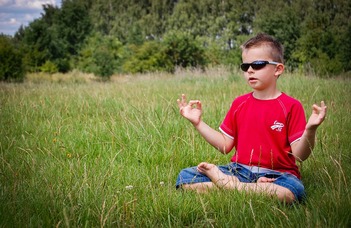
14	13
13	21
26	4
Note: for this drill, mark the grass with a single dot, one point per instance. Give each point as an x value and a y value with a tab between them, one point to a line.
83	153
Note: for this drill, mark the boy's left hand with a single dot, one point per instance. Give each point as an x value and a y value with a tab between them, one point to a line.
317	116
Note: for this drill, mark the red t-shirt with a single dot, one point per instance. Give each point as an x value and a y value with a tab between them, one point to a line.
263	131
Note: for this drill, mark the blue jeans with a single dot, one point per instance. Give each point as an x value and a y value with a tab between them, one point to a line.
287	180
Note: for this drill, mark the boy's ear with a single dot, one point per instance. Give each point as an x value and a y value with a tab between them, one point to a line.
279	69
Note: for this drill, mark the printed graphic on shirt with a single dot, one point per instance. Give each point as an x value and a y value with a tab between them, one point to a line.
277	126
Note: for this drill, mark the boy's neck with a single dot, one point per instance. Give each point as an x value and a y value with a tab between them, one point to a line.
264	95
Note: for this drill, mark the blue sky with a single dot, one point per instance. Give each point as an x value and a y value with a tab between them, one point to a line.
14	13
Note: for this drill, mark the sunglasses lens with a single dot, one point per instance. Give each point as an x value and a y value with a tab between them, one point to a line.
258	65
245	66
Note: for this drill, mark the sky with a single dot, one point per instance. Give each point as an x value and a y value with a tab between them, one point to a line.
14	13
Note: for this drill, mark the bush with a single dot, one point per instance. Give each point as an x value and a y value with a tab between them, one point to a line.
217	55
49	67
100	55
184	50
149	57
324	66
177	49
11	67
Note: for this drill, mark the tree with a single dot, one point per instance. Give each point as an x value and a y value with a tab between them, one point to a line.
149	57
11	67
283	21
73	24
323	36
315	33
184	50
100	55
121	18
56	36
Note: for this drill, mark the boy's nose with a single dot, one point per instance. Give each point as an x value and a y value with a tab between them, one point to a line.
250	69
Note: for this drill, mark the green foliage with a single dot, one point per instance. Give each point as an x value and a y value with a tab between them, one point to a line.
217	55
184	50
34	42
345	47
56	36
282	21
11	65
49	67
73	25
100	55
315	33
149	57
177	49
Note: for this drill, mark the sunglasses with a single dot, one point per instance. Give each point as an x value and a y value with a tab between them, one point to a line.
256	65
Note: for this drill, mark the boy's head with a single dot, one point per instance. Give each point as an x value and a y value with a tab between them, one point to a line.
262	39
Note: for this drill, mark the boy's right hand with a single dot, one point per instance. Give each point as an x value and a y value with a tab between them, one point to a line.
317	117
191	111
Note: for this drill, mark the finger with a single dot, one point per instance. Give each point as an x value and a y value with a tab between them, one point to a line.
179	103
315	108
199	169
202	167
195	102
202	164
199	105
183	98
323	106
320	109
323	111
265	180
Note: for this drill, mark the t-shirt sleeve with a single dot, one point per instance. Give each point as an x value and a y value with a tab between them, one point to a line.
297	123
227	126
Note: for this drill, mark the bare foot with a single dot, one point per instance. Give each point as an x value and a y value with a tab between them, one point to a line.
217	176
265	180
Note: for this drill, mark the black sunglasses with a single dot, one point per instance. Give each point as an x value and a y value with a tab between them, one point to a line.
256	65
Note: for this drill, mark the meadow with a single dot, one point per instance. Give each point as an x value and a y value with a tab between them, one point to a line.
77	152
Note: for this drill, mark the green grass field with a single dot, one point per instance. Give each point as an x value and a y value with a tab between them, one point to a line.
82	153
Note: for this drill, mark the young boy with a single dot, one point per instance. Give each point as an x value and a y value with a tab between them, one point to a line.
267	128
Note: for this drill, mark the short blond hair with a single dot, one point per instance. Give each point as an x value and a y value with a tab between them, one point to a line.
262	39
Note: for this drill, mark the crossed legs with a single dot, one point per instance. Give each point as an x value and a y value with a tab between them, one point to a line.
223	181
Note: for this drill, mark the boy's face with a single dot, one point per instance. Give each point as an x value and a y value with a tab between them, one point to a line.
264	78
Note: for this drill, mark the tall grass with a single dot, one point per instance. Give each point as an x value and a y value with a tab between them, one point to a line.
106	154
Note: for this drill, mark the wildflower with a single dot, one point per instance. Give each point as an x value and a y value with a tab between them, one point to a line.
129	187
69	155
162	183
54	140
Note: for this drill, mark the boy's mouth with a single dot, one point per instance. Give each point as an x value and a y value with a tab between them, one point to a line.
252	78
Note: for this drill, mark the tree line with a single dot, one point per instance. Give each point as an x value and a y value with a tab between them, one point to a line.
105	37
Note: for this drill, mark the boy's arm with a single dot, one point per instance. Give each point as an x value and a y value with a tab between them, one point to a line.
303	148
193	112
217	139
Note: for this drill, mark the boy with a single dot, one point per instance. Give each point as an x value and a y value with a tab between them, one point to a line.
267	128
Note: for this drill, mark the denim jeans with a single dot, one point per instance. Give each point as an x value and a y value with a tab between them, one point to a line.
287	180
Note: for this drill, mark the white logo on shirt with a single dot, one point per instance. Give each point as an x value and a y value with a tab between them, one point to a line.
277	126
